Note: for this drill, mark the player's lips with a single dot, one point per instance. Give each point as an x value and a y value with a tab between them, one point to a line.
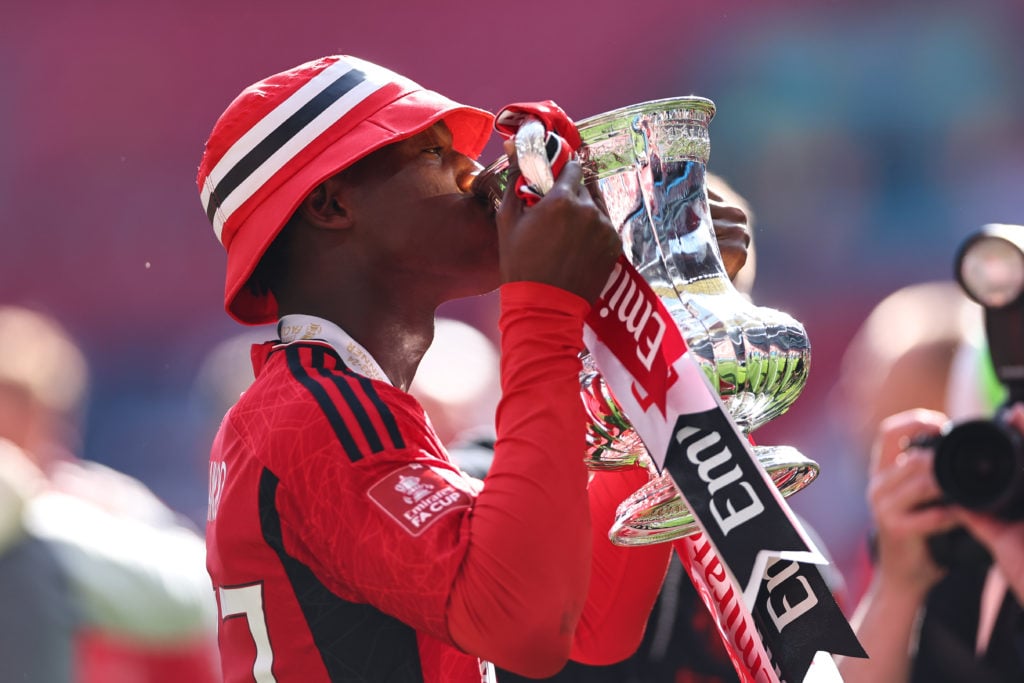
486	201
489	185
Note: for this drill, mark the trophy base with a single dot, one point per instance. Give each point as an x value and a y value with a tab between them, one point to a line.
656	512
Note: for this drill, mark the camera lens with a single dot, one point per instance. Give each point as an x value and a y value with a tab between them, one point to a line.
980	465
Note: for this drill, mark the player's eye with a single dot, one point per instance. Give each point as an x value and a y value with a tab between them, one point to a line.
436	151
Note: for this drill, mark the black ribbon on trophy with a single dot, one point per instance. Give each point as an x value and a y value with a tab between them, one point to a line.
752	562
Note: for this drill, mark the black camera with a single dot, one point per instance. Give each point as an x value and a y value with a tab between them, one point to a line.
979	464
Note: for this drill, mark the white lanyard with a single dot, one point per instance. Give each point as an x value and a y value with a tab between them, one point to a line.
297	327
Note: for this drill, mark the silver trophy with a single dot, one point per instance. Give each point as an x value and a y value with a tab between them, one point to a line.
646	164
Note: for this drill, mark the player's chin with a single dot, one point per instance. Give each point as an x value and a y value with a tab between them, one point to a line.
479	269
477	282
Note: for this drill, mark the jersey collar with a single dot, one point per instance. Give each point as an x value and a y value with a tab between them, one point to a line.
298	327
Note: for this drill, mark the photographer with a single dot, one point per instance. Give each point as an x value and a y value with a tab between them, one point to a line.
925	621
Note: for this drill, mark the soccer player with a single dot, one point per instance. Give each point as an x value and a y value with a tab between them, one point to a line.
343	543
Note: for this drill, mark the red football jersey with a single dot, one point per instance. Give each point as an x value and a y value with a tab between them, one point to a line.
311	467
338	526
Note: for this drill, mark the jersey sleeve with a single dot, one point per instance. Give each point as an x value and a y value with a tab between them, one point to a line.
624	582
520	593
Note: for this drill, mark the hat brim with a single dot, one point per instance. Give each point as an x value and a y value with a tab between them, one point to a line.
416	111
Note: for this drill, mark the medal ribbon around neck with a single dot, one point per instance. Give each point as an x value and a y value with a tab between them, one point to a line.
296	327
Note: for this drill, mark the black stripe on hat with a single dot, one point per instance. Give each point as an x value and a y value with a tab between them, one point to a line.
288	129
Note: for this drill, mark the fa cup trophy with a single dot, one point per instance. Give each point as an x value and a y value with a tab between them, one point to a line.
646	164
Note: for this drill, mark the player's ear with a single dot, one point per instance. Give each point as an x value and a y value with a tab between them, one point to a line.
326	206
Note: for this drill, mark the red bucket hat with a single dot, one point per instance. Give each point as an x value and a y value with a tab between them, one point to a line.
283	136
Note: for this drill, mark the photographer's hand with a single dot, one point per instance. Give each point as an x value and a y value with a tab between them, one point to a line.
1003	539
901	492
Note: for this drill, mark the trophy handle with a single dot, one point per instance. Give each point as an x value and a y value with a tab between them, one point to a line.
532	156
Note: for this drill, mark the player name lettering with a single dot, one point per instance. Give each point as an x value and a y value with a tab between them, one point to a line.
636	312
435	503
723	477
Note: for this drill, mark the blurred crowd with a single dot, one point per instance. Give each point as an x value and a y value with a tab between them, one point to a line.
101	580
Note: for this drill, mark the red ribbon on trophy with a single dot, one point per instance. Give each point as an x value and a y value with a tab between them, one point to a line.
754	566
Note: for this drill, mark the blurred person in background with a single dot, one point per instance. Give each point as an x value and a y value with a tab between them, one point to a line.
224	373
932	612
457	383
100	581
916	348
955	619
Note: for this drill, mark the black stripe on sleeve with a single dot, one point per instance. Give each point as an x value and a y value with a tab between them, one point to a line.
347	393
324	401
280	135
386	416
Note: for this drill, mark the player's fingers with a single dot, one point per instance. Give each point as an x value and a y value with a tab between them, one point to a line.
569	179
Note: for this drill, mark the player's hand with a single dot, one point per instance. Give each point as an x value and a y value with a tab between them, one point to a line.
732	231
563	240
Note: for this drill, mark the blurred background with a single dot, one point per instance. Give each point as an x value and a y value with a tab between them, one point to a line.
869	137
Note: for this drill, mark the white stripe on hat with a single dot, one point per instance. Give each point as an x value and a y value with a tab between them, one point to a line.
376	78
269	123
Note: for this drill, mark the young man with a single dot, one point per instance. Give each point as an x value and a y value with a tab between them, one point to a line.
342	542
